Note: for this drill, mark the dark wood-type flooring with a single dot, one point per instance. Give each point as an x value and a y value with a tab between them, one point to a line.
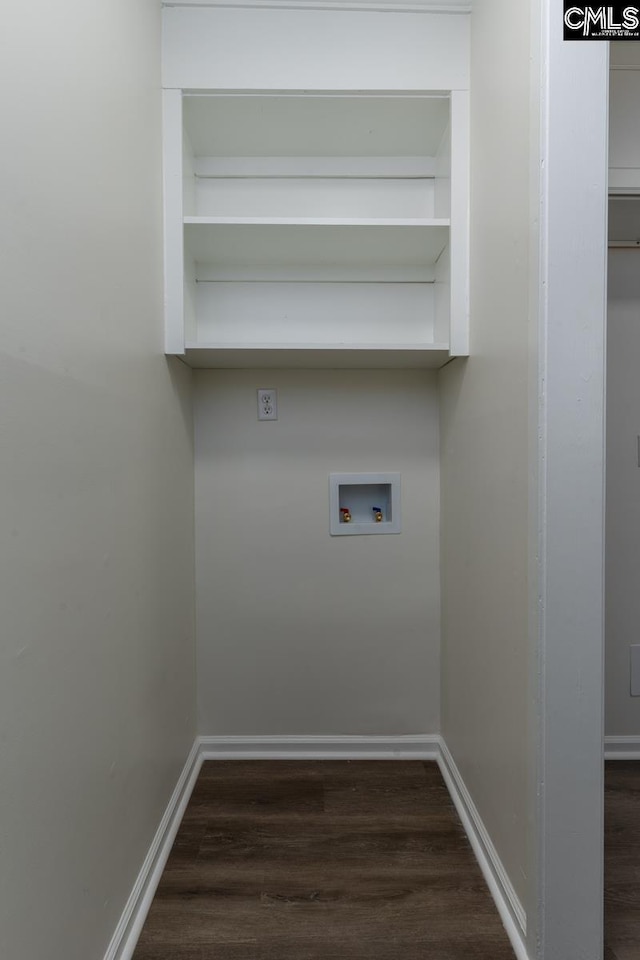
622	860
322	860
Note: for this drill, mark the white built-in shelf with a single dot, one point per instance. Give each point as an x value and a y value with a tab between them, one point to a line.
321	221
316	355
314	244
316	229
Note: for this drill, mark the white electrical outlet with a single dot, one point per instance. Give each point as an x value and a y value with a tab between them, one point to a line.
267	404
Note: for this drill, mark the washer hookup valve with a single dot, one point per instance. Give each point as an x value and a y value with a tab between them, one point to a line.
377	513
345	515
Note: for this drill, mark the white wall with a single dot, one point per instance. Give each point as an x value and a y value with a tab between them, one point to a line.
523	482
299	632
485	451
238	48
623	490
96	528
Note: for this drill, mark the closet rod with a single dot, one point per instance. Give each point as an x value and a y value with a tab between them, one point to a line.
624	244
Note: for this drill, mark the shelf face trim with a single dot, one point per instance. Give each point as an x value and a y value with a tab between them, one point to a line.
422	222
376	6
347	168
339	356
413	347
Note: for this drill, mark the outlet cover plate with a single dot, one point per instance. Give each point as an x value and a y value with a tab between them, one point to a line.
267	403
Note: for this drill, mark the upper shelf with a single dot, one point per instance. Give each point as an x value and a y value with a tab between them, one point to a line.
316	244
315	125
279	199
319	157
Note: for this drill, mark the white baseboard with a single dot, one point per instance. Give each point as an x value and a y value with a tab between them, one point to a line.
124	940
415	747
622	748
511	911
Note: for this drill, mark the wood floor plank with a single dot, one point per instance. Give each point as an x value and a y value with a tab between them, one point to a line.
333	841
320	860
369	788
244	798
622	860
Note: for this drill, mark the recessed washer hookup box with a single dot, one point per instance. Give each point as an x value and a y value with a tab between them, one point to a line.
364	504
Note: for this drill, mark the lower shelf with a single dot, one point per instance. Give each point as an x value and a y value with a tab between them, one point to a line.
310	356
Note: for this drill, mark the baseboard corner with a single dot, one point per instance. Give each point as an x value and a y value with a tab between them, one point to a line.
509	907
125	937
